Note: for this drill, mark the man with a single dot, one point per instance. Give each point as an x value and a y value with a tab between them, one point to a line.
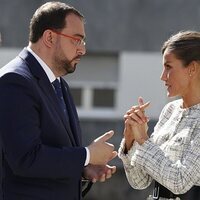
40	133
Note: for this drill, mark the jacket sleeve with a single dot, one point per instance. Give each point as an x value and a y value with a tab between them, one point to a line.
136	176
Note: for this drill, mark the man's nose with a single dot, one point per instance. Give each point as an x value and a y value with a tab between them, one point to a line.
81	50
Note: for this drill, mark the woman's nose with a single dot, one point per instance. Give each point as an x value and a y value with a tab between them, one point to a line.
163	76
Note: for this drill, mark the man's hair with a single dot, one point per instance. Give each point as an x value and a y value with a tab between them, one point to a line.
50	15
185	45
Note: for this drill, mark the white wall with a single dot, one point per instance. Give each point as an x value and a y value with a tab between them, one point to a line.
7	54
140	76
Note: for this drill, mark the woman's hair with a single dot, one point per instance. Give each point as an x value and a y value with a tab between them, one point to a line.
185	45
51	15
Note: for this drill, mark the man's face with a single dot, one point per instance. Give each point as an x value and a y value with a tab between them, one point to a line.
69	47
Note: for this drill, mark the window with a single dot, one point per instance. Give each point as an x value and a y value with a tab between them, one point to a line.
94	85
77	95
103	98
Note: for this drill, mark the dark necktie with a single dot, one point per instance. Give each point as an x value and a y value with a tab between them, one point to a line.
59	93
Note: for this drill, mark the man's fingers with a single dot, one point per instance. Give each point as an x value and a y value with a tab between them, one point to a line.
94	180
108	174
114	154
113	169
105	136
102	178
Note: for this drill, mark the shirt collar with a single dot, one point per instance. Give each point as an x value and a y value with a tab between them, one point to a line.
45	67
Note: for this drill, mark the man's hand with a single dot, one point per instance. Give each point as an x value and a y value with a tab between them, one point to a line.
98	172
101	152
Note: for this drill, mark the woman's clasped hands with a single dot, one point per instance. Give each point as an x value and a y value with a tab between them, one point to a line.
136	124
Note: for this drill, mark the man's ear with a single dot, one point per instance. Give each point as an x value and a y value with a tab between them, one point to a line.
48	38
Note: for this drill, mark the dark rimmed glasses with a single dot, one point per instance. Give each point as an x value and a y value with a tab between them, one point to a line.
77	41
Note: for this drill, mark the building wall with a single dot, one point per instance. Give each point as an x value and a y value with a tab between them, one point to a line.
111	25
140	76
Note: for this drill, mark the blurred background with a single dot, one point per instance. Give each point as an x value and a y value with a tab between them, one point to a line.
123	62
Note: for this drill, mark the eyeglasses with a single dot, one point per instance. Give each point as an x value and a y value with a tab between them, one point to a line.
77	41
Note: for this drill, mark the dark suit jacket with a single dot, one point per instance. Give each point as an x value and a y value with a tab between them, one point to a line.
42	154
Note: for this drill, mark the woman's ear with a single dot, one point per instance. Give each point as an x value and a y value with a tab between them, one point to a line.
193	67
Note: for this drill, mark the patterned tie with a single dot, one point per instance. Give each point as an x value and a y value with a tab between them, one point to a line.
59	93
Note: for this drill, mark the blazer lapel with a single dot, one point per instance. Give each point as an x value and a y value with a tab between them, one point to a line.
46	87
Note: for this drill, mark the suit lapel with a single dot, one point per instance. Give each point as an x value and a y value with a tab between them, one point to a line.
47	88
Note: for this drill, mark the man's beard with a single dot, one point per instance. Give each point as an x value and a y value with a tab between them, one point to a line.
65	66
69	67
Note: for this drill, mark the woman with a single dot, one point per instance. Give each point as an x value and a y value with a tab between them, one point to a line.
171	156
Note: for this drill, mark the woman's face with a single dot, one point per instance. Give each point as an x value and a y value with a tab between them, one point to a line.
175	75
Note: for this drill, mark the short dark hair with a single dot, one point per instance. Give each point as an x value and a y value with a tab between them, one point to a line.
185	45
50	15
